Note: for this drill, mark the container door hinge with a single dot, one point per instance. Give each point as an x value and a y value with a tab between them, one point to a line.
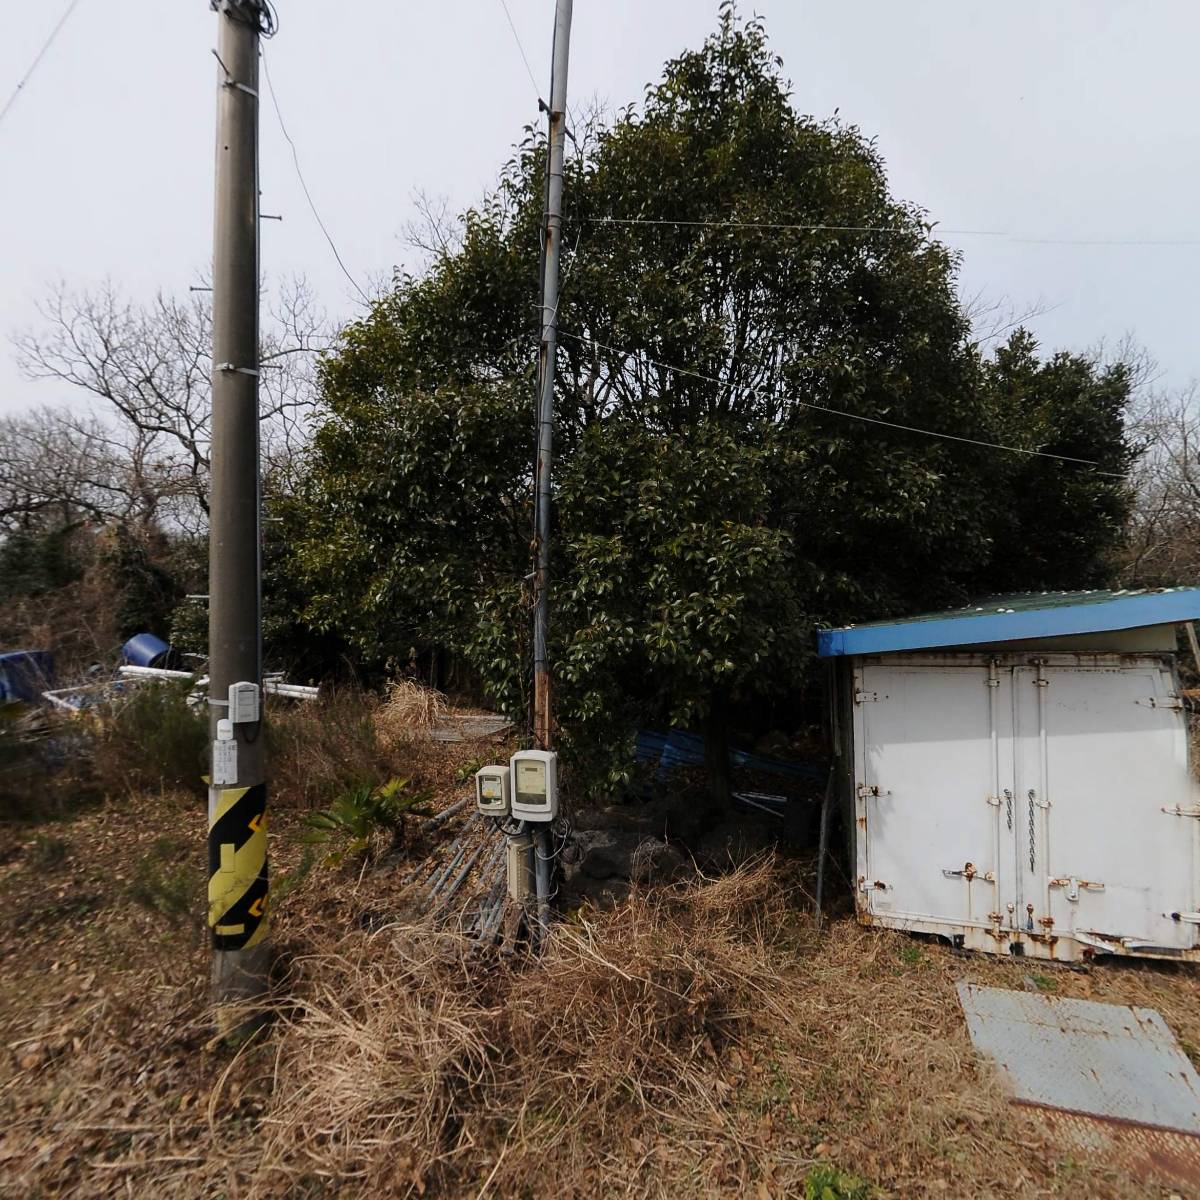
1185	917
1072	886
1180	811
867	885
866	791
1174	703
861	697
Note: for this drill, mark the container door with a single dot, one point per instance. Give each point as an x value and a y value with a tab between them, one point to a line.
1108	847
927	805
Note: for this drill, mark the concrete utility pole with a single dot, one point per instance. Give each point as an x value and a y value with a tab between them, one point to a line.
543	715
237	835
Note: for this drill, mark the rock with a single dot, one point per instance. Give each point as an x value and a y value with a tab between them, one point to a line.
622	818
604	893
656	861
733	842
606	853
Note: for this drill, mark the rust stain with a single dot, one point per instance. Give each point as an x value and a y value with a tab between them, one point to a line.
1147	1152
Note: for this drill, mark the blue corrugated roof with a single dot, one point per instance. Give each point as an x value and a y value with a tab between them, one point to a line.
1016	619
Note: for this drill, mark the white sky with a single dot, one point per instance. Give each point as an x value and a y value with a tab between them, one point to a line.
1041	118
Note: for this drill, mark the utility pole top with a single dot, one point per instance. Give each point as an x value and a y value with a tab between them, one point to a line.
259	13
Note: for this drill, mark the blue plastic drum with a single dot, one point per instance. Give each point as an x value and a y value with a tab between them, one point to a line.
146	650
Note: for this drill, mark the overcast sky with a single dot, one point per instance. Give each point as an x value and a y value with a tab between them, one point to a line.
1042	119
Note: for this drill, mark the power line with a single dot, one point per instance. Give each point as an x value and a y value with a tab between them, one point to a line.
521	48
839	412
532	78
933	231
300	175
40	55
818	228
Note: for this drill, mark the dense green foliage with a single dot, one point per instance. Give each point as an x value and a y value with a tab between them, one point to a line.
33	562
708	517
146	594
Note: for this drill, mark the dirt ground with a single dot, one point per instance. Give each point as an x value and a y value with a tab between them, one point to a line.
700	1042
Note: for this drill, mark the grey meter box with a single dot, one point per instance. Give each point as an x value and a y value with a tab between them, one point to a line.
492	791
535	785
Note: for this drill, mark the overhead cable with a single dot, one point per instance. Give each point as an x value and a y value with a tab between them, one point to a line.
521	48
931	231
304	185
817	228
840	412
40	55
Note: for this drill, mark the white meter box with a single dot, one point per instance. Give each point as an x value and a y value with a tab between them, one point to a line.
534	782
492	791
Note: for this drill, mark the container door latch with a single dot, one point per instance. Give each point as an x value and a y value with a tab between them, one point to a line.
1072	886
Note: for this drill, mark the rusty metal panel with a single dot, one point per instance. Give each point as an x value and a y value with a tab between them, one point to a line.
1143	1151
1107	1081
1107	1060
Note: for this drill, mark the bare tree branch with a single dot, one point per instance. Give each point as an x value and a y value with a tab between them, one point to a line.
147	368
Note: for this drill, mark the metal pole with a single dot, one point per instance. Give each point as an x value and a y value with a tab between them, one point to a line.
543	718
237	839
823	841
543	722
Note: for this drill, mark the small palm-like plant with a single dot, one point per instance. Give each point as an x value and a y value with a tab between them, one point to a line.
357	816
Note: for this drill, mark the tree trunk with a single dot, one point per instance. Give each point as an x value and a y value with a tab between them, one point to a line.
716	752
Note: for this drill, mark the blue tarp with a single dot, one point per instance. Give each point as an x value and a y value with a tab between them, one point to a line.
26	674
681	749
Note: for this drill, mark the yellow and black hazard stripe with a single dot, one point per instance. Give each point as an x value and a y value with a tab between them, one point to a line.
237	866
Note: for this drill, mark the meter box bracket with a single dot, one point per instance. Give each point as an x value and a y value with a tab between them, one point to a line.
492	791
534	783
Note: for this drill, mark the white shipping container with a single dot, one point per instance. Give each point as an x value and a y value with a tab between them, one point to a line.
1017	778
1041	803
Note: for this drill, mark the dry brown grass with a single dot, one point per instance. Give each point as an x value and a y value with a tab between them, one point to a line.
528	1073
702	1040
321	749
410	711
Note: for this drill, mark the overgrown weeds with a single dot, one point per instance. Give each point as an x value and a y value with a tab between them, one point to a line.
408	1043
328	748
149	739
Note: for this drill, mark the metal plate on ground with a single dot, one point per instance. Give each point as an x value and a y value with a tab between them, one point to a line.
1107	1079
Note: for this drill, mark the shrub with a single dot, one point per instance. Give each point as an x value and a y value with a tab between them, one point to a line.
150	738
358	816
327	748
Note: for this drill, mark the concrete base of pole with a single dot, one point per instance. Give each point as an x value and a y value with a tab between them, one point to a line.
241	979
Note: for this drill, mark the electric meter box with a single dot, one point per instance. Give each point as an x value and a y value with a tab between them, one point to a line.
492	791
534	783
245	703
